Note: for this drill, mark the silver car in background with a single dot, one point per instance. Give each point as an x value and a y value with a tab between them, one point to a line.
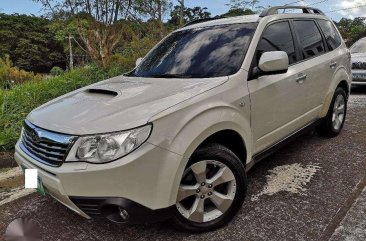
358	52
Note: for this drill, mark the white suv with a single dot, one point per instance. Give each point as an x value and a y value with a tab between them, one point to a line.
175	137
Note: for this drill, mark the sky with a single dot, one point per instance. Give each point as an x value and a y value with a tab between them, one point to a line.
217	7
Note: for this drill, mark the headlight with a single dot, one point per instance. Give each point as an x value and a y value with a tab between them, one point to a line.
108	147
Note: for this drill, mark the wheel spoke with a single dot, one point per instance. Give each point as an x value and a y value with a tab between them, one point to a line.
340	118
222	176
340	109
199	171
336	123
221	201
334	116
186	191
196	213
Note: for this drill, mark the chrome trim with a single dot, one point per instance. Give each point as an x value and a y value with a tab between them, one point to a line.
45	146
28	153
49	136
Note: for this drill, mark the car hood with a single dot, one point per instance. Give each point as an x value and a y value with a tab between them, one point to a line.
116	104
357	57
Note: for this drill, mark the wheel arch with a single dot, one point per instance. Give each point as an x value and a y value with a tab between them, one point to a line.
344	84
342	79
231	140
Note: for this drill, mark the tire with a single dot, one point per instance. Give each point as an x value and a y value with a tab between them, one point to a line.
329	126
216	160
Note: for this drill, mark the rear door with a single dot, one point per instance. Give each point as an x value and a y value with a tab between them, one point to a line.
338	57
277	101
320	63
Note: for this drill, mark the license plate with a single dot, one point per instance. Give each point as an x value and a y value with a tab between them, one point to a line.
40	188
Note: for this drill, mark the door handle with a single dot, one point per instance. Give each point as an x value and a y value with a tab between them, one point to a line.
301	78
333	64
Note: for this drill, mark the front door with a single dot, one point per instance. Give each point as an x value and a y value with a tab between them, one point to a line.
279	100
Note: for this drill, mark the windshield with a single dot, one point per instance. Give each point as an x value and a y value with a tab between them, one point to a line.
359	46
198	53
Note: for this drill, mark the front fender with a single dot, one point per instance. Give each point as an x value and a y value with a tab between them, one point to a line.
183	135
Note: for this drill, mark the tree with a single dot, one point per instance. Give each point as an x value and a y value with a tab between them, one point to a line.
244	5
155	10
101	28
189	14
237	12
181	12
352	30
29	43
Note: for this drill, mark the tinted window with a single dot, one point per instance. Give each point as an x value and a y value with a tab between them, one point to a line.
310	38
199	53
331	35
277	37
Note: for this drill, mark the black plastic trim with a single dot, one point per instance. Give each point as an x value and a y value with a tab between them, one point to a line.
278	145
109	208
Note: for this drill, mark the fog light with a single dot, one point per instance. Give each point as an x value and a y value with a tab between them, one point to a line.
123	213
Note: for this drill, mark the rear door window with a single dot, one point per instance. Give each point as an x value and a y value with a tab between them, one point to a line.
310	38
277	37
331	35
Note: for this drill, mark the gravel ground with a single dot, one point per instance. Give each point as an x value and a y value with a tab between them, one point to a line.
353	226
303	192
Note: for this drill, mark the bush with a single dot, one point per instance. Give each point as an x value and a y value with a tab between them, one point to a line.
55	71
10	76
125	61
16	103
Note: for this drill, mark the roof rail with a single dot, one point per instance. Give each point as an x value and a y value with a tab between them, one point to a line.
305	9
201	20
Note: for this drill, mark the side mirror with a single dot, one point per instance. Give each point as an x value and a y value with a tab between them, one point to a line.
138	61
275	62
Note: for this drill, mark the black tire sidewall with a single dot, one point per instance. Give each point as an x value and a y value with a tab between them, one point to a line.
339	91
222	154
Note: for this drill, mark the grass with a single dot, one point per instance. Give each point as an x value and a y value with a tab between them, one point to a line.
5	169
16	103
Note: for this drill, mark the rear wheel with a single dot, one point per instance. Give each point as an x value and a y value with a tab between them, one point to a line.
333	123
211	191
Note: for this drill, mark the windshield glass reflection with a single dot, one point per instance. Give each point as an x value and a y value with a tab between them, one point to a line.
201	52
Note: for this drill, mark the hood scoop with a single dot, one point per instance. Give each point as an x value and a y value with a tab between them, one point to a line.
102	92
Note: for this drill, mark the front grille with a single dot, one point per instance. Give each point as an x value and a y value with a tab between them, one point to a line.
359	65
45	146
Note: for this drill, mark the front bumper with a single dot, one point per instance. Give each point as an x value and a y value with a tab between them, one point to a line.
143	179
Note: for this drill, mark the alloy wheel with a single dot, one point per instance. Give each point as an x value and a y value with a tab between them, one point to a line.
338	112
206	192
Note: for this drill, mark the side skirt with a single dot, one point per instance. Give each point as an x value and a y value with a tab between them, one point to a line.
278	145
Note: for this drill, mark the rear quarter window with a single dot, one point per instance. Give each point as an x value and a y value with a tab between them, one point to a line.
331	35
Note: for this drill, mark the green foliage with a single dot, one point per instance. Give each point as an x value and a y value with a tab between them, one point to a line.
243	4
352	30
29	43
190	14
124	61
16	103
55	71
233	12
10	75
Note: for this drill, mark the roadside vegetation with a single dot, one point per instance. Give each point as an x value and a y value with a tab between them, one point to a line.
77	43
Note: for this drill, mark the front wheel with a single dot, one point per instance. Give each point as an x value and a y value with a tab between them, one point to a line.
333	123
212	190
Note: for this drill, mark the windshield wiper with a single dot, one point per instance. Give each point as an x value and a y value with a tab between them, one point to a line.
170	76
